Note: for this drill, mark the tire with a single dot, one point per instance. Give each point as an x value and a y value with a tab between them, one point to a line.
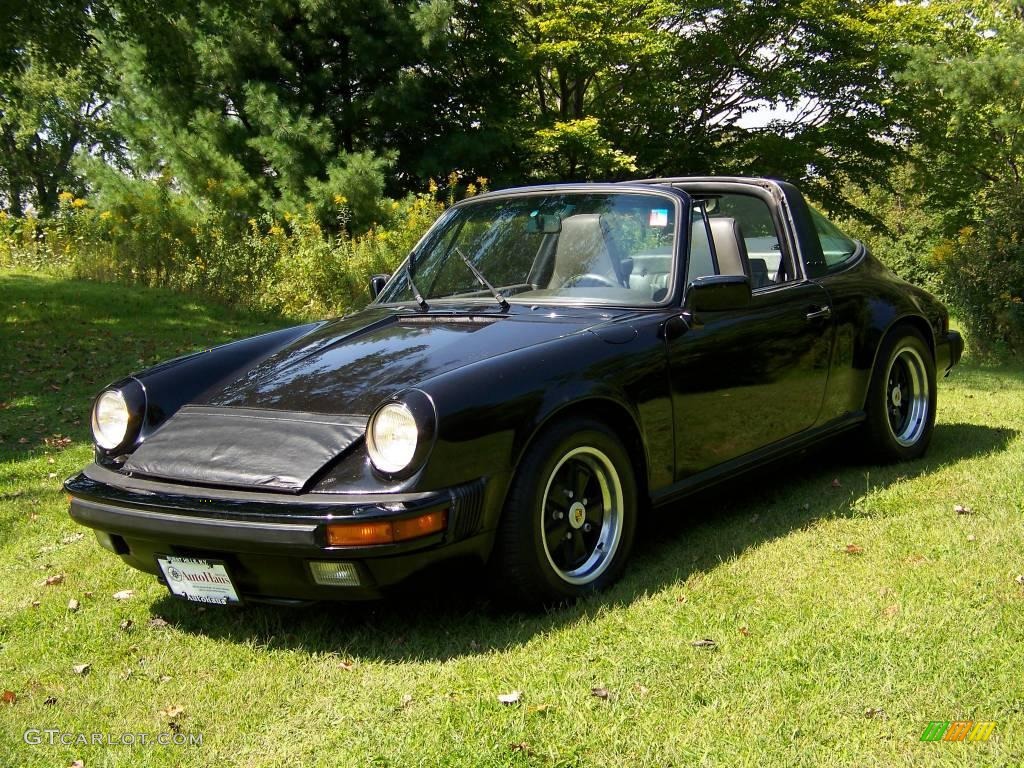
901	399
533	565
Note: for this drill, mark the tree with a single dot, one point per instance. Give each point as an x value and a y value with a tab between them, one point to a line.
53	101
267	106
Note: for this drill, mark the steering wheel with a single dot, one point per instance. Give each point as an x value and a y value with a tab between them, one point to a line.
591	278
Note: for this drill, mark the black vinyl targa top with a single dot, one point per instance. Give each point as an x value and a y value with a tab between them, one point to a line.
245	447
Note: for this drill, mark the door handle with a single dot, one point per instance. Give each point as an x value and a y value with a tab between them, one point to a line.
815	313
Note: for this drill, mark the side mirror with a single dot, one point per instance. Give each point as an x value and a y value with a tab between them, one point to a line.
377	283
716	293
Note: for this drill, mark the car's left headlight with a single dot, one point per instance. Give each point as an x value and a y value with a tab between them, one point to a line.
392	438
399	433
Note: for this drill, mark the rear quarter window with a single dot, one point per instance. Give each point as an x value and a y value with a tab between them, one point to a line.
836	247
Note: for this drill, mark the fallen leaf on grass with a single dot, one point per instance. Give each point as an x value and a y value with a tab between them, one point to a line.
854	549
124	594
81	669
8	697
917	559
960	509
521	746
172	711
73	605
406	700
57	441
165	678
641	689
52	581
157	622
706	642
744	631
347	666
874	712
512	697
890	610
971	537
600	693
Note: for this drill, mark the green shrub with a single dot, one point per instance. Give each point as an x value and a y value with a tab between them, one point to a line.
149	234
982	271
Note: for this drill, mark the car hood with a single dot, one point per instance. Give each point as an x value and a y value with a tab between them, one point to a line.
351	365
292	413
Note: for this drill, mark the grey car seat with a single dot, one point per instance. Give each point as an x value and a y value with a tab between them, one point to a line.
582	250
730	247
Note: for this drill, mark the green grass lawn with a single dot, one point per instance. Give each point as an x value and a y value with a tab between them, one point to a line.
825	654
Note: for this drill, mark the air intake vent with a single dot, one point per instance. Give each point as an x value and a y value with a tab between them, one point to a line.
467	508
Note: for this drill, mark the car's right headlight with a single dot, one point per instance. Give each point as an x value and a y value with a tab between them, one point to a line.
110	419
392	437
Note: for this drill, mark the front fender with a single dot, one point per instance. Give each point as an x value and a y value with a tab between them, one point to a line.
490	412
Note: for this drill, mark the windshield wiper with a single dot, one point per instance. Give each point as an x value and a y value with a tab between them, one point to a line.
415	291
483	280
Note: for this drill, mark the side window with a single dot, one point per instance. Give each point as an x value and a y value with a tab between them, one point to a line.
700	262
760	237
836	247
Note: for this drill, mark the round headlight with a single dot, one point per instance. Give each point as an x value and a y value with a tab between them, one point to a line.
110	419
392	437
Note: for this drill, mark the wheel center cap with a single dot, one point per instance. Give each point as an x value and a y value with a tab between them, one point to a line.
897	396
577	515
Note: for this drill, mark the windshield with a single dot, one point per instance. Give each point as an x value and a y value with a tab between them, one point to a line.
614	248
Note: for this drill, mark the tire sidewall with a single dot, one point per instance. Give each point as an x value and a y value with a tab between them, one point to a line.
882	438
526	502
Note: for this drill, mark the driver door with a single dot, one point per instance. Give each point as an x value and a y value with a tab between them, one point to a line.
746	378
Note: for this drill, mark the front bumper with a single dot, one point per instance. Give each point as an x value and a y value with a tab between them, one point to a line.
268	540
948	351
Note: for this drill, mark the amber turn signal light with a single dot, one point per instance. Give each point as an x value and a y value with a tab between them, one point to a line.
386	531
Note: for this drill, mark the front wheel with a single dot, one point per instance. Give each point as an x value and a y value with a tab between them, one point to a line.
569	521
901	398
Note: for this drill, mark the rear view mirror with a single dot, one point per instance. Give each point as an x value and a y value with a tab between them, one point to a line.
377	283
544	223
717	293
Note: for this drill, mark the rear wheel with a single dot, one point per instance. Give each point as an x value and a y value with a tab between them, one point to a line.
901	398
568	524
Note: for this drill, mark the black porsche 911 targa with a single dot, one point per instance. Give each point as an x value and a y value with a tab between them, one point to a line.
548	362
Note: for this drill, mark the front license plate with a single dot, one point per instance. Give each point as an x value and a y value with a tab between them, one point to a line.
198	580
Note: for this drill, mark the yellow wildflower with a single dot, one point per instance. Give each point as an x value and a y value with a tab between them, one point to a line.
65	197
432	186
78	203
105	215
470	189
340	199
276	230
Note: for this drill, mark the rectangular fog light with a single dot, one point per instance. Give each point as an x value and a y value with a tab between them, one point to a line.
334	574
